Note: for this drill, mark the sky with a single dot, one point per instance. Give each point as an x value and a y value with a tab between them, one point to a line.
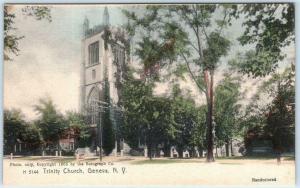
49	61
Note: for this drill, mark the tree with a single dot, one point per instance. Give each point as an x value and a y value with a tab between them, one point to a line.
189	123
273	119
198	133
50	121
146	116
32	137
193	41
108	129
227	109
269	27
16	129
13	127
159	120
252	123
186	122
134	94
11	41
281	121
76	122
280	124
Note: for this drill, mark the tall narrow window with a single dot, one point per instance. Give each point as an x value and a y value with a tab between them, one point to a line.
93	99
94	53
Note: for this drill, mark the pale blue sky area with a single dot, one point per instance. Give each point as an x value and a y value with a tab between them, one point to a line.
49	60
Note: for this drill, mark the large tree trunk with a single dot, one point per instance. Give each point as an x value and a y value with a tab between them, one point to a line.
227	148
210	141
166	150
150	144
231	147
180	152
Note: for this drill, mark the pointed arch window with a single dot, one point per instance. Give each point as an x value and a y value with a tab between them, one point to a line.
94	53
93	106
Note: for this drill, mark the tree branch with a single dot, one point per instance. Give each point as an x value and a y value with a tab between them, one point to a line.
197	50
191	73
196	31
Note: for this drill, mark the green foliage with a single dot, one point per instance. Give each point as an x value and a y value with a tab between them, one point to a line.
286	79
108	130
281	112
163	40
281	120
195	15
32	136
269	27
147	52
76	122
146	116
158	44
218	46
11	41
159	120
49	127
51	123
208	44
198	137
274	120
14	123
176	120
175	40
227	109
135	93
38	12
17	130
257	64
183	33
190	122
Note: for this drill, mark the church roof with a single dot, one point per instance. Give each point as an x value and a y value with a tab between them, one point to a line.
95	30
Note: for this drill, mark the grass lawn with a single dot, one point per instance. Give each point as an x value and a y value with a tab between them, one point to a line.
236	160
140	161
290	158
263	157
166	161
52	159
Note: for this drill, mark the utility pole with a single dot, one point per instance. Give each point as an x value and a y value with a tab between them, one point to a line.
100	134
101	107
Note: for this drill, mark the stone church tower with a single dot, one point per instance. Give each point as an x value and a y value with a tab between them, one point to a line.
103	52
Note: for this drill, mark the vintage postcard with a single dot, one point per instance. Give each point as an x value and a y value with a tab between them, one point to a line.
149	94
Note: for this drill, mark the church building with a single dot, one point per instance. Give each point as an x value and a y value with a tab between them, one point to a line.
103	52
